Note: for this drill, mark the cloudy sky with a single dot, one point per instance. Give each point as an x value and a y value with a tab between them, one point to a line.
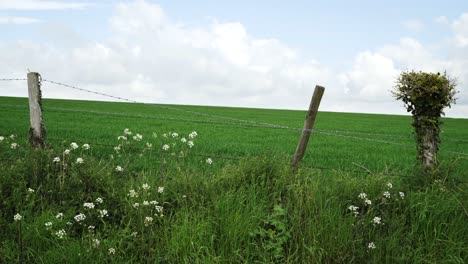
267	54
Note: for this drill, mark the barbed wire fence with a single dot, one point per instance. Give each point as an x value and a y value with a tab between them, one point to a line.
238	122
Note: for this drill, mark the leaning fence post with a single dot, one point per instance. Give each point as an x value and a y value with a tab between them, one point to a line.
308	124
37	132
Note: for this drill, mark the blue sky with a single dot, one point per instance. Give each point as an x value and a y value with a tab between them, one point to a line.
336	42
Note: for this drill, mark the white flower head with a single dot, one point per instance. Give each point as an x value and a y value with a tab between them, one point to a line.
59	216
138	137
376	220
1	138
353	208
145	186
88	205
96	243
160	189
122	137
17	217
155	135
12	136
127	131
132	193
174	135
149	145
30	190
402	195
363	196
183	140
164	135
111	251
371	245
66	152
103	213
190	143
148	220
389	185
368	202
193	134
209	161
56	160
165	147
154	202
386	194
118	169
158	208
136	205
48	224
60	234
73	145
99	200
14	145
86	146
91	228
80	160
80	217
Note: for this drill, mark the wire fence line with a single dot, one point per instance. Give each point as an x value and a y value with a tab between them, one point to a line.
223	123
13	79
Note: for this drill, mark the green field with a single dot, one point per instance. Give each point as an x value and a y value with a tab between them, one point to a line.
246	207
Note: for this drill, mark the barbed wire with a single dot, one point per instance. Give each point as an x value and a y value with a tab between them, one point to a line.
225	123
13	79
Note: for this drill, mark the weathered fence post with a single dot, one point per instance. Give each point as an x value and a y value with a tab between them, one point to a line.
308	125
37	132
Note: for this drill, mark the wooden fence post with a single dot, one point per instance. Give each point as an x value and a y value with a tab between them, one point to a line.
308	125
37	132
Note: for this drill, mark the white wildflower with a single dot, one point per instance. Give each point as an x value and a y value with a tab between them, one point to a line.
117	148
402	195
12	136
183	140
155	135
368	202
88	205
99	200
56	160
353	208
154	202
17	217
148	220
61	233
79	160
165	147
149	145
91	228
136	205
73	145
111	251
174	135
59	216
48	224
127	131
66	152
146	203
134	234
86	146
30	190
362	196
158	208
96	243
193	134
160	189
1	138
386	194
80	217
138	137
376	220
103	213
371	245
164	135
14	145
209	161
145	186
132	193
389	185
122	137
190	143
118	169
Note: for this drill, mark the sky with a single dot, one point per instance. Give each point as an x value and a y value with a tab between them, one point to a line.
262	54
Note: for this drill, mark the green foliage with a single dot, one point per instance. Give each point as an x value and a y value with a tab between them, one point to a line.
426	95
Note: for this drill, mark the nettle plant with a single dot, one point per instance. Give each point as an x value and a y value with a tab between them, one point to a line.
426	95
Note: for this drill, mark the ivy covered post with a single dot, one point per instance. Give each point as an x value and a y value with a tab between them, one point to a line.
426	95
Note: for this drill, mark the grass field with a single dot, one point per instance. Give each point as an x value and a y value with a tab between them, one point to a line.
245	207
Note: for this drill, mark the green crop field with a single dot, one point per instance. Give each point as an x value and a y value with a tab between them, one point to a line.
245	207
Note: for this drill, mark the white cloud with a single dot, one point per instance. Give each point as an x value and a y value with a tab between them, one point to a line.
40	5
151	58
460	28
443	20
413	24
14	20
